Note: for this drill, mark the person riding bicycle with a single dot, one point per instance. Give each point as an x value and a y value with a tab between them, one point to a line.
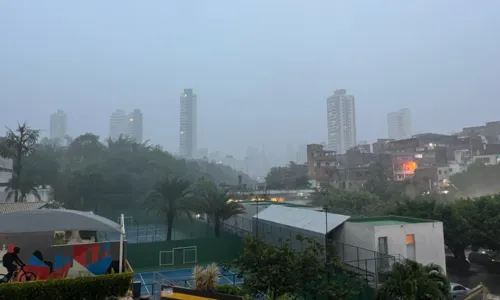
12	262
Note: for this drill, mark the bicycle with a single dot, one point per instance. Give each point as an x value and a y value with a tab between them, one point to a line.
20	275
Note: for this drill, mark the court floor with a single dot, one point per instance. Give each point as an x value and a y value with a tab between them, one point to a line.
182	278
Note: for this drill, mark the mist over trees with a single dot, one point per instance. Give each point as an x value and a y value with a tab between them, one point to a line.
107	178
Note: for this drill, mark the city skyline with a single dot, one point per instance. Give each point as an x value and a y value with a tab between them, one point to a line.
259	86
126	125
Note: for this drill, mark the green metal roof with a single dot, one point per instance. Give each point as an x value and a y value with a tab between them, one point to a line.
388	220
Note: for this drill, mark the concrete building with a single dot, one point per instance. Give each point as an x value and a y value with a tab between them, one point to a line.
341	119
488	160
321	164
126	125
188	124
135	126
416	239
399	124
366	246
58	125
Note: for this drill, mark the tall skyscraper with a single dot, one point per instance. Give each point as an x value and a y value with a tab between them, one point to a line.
399	124
135	124
341	117
188	124
126	125
58	125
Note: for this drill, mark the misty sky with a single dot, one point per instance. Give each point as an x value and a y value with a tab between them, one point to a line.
262	69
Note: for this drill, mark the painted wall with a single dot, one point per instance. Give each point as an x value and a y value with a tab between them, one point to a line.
361	250
429	241
60	261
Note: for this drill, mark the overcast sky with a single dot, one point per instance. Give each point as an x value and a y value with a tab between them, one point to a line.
262	69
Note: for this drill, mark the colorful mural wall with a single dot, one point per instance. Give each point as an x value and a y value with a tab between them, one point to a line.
60	261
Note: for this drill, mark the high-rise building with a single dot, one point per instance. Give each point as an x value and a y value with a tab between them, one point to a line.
126	125
399	124
341	117
58	125
188	124
135	124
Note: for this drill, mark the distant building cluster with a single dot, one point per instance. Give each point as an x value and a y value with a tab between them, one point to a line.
126	125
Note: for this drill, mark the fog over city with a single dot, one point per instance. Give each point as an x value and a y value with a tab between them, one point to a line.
261	70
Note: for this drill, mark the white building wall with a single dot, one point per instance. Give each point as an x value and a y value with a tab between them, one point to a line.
359	250
429	241
488	160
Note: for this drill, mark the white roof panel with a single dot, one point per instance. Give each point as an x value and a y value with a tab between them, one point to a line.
305	219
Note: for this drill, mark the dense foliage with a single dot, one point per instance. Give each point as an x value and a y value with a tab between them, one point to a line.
412	280
98	288
351	203
292	176
478	180
107	178
280	271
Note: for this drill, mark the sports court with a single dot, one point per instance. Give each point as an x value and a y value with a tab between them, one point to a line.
151	281
148	233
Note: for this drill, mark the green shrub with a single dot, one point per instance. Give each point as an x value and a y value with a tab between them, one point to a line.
229	289
88	288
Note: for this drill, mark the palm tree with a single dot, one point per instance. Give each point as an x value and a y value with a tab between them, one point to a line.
214	202
412	280
26	187
16	145
170	197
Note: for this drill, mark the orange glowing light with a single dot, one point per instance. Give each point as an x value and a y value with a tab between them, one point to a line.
409	166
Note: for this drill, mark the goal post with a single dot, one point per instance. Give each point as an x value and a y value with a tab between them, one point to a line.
166	258
179	255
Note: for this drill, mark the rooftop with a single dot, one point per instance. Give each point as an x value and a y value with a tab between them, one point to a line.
22	206
388	220
45	220
305	219
266	203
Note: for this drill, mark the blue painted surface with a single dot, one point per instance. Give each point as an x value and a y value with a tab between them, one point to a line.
183	277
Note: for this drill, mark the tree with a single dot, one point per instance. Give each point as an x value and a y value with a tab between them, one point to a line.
214	201
25	188
412	280
280	271
378	183
352	203
170	197
477	180
16	145
292	176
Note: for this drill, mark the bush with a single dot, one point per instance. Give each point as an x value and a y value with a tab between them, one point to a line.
229	289
89	288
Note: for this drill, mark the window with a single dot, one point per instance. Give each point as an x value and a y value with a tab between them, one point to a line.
410	247
459	288
410	239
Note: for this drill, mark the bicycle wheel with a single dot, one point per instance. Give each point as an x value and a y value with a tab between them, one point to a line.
27	276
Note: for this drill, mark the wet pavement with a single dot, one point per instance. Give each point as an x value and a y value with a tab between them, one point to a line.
476	276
